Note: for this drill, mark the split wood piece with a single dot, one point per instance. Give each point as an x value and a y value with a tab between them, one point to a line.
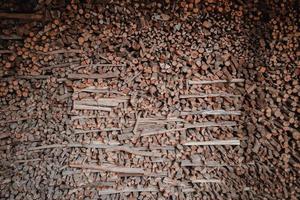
127	190
100	65
214	142
10	37
5	51
93	184
87	117
60	65
206	181
94	76
79	131
92	89
203	95
72	145
160	120
191	82
188	126
138	117
85	107
133	151
211	112
109	168
29	160
26	16
4	135
17	120
110	102
60	51
154	174
152	147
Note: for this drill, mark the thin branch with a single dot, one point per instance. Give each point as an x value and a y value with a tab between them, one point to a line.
94	76
92	89
79	131
211	112
128	190
109	168
133	151
59	65
60	51
191	82
85	107
206	181
72	145
203	95
215	142
100	65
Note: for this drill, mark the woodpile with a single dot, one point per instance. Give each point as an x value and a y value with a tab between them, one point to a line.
158	100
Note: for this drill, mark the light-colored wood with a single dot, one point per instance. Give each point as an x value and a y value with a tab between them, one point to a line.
214	142
211	112
94	76
86	107
206	181
127	190
205	82
79	131
203	95
109	168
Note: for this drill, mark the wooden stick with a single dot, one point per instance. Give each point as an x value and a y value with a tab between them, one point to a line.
94	76
100	65
108	65
127	190
92	89
26	16
29	160
109	168
133	151
191	82
215	142
206	181
59	65
211	112
27	77
138	115
72	145
211	124
110	102
79	131
85	107
188	126
60	51
87	117
203	95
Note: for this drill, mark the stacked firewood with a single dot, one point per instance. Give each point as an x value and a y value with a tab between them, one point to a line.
151	101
